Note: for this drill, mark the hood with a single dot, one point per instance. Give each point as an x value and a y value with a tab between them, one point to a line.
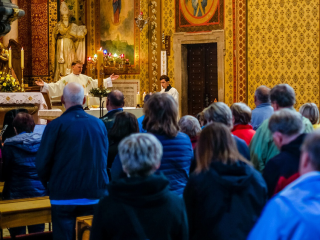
294	146
27	141
140	191
235	176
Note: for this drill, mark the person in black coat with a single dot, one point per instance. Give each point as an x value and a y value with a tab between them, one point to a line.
115	103
225	195
286	127
124	124
140	206
19	167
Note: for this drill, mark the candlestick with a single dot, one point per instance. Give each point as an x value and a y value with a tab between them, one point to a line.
138	98
22	83
100	70
22	58
10	58
143	96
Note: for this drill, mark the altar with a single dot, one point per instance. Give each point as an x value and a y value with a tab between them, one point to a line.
32	101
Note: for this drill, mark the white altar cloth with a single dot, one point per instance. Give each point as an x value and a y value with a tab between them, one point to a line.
35	98
23	98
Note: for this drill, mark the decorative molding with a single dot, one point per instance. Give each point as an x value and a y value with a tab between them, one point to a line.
180	40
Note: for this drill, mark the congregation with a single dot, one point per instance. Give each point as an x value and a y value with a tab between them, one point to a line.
227	173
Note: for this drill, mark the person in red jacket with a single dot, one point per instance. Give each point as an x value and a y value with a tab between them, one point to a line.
241	118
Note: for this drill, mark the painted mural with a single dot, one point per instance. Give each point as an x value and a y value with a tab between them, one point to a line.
117	33
199	15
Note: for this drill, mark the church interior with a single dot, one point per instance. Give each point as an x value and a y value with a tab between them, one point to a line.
210	50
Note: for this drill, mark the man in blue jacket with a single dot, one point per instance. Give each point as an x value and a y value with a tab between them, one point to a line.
72	163
295	213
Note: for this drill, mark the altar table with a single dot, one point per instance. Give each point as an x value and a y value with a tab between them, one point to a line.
23	98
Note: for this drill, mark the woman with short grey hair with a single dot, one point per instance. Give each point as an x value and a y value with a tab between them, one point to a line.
142	202
140	154
190	126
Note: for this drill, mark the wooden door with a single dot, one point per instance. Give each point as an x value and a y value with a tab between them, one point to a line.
202	76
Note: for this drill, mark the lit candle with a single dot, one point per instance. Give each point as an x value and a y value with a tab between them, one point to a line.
144	95
100	61
138	98
10	58
22	58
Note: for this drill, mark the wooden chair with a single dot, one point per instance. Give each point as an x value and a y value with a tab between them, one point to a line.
83	227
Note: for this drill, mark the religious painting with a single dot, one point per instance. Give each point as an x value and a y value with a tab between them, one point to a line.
199	15
118	33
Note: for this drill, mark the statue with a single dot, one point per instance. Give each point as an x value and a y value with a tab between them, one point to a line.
68	44
4	58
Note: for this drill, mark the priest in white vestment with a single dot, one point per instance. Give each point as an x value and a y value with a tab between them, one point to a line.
164	80
56	89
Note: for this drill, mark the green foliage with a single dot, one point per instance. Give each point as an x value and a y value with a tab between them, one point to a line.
99	92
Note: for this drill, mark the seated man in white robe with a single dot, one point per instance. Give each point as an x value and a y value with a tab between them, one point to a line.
56	89
164	80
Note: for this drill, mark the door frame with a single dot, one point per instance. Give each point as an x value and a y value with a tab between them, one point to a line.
180	42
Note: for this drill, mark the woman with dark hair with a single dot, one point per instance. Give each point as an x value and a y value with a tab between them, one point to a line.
225	195
124	125
19	167
161	114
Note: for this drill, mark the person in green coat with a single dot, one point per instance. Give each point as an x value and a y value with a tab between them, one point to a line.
262	147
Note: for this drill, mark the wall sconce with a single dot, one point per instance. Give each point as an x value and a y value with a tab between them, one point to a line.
140	22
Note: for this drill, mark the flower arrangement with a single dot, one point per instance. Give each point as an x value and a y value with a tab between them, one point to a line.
99	92
8	83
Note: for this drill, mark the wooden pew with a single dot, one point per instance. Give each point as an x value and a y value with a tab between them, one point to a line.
83	227
24	212
1	189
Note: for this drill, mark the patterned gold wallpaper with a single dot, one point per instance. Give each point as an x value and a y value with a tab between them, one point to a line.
283	47
228	64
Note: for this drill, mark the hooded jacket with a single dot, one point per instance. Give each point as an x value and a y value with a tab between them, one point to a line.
20	174
140	208
283	168
292	214
225	201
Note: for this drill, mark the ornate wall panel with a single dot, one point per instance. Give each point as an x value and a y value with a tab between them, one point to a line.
241	63
40	41
168	27
229	38
194	17
25	29
53	19
283	47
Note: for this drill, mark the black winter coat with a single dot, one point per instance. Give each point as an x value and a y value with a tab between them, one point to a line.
109	118
19	167
225	201
140	208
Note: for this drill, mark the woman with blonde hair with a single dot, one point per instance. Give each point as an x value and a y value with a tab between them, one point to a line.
226	195
311	111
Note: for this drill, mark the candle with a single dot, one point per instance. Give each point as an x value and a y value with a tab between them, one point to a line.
22	58
144	95
138	98
10	58
100	62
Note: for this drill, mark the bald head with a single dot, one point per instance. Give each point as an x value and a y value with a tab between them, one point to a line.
73	94
262	95
115	100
